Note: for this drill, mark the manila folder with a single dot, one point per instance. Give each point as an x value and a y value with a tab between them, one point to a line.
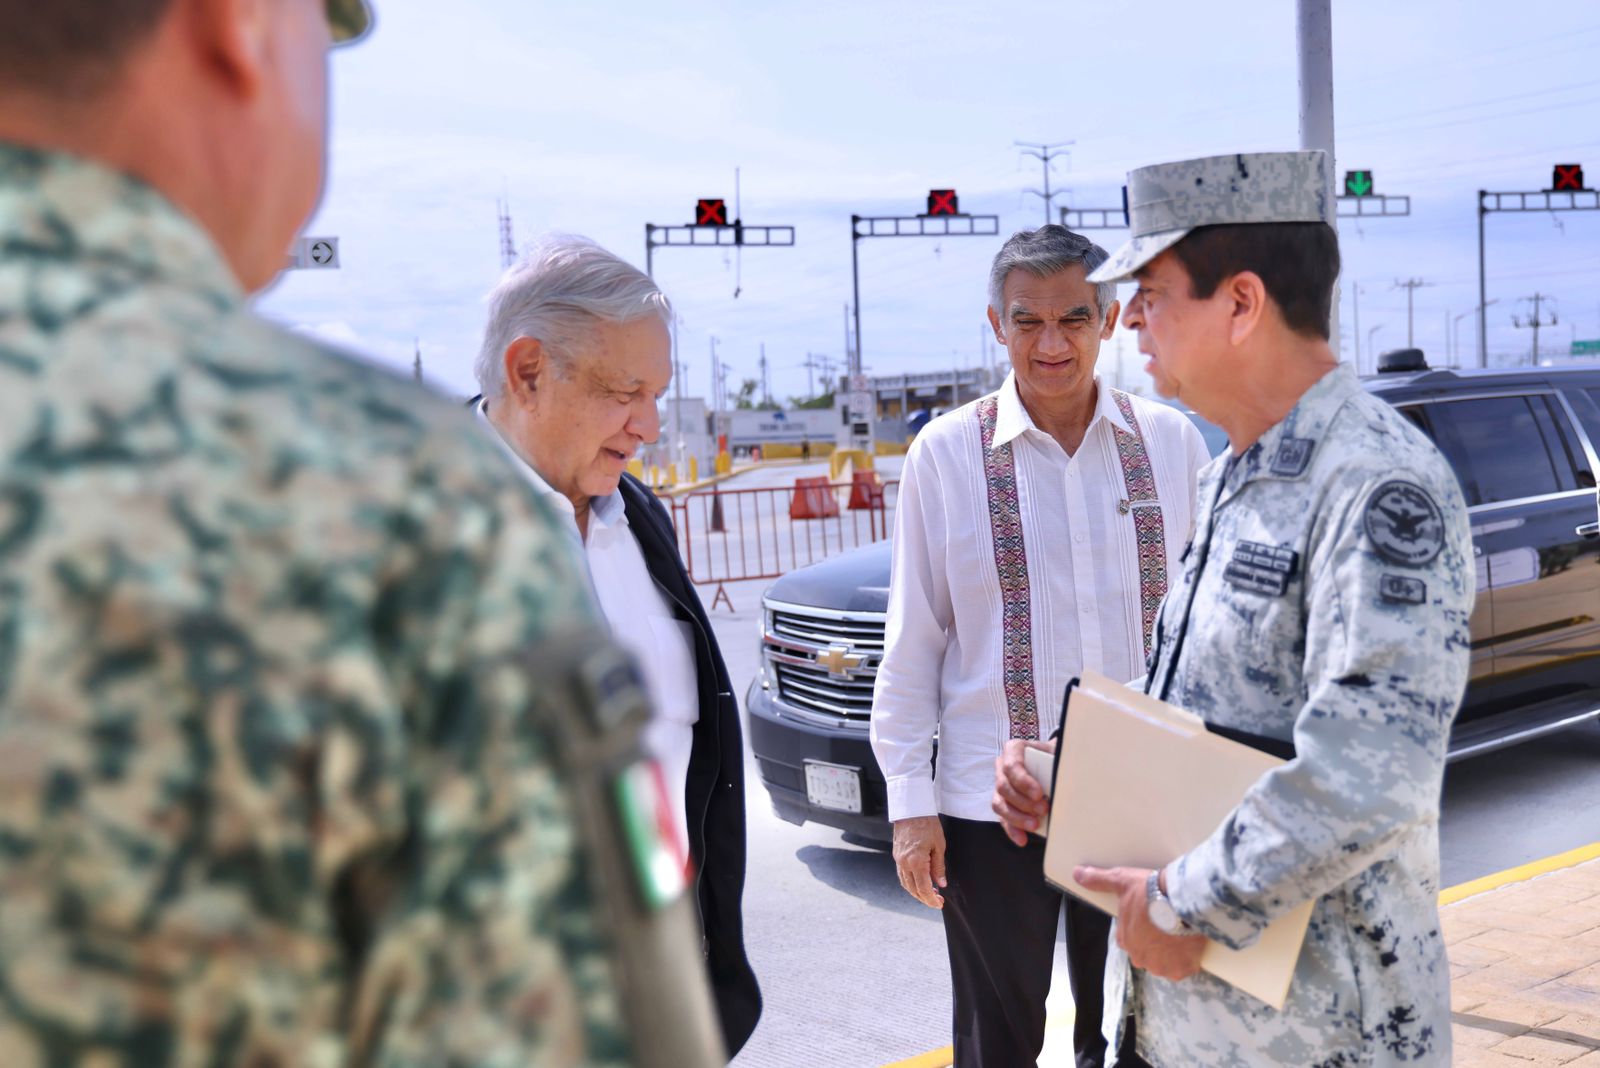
1140	783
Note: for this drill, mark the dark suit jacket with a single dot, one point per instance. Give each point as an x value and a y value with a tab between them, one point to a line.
715	790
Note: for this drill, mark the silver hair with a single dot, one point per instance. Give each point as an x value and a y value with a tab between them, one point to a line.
559	293
1048	250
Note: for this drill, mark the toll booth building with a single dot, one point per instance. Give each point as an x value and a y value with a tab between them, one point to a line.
902	397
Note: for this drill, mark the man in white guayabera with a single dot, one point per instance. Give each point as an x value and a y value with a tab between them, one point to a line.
1035	531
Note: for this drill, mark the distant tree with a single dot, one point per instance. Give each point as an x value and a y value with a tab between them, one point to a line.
823	401
745	399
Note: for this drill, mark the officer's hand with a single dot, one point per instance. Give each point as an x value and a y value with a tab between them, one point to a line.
1018	798
919	858
1171	957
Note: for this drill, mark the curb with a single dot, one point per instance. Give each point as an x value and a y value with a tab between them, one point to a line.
941	1058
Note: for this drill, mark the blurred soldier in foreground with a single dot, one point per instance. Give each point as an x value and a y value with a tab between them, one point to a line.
279	781
1321	615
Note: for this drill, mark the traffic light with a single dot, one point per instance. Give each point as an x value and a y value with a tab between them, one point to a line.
1358	183
711	212
942	202
1567	178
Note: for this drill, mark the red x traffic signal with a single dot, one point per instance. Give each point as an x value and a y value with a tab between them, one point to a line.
1568	178
942	202
711	212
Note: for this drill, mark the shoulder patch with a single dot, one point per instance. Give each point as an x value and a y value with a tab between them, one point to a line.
1292	457
1402	589
1403	523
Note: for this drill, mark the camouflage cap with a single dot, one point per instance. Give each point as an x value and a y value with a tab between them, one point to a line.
1167	200
349	20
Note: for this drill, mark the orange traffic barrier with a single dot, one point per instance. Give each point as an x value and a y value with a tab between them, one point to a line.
813	499
866	490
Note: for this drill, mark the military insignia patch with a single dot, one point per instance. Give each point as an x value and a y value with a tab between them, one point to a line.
1292	456
1261	568
1402	589
1403	524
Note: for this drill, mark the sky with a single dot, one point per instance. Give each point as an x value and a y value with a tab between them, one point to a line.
595	119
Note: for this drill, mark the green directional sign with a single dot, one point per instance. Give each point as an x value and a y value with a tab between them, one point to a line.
1590	347
1358	183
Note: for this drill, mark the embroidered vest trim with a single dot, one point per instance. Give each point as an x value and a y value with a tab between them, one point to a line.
1011	557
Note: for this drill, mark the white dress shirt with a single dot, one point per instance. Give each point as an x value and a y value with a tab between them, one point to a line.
942	664
640	616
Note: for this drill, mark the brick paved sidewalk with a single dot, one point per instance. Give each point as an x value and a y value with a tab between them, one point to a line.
1525	972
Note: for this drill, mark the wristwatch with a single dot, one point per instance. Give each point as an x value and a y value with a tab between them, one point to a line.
1159	907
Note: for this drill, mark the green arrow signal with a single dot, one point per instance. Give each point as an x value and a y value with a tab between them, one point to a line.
1358	183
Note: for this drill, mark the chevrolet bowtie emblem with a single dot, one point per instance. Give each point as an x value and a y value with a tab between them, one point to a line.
839	660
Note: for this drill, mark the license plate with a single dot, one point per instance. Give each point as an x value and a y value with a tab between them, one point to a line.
833	786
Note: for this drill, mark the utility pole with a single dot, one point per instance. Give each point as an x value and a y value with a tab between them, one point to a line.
508	246
1411	286
1355	302
1370	349
416	362
1314	40
766	385
716	386
811	380
849	347
677	392
1534	322
1044	154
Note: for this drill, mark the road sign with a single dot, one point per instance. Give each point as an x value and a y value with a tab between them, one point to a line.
711	212
861	405
1567	178
942	202
314	253
1590	347
859	384
1358	183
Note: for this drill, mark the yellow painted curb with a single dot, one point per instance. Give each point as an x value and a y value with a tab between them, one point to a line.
942	1058
1516	875
939	1058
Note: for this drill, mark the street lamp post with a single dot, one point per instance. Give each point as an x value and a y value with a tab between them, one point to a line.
1371	352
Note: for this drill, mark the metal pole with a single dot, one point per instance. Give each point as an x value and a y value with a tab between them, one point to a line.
1314	36
1355	299
1410	293
855	287
1483	295
649	250
677	396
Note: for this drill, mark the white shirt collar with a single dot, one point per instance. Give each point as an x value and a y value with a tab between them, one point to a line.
608	511
1012	419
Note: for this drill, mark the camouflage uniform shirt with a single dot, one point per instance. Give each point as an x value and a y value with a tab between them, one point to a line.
1331	611
269	789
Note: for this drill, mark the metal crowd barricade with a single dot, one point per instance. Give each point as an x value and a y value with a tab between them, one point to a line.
745	534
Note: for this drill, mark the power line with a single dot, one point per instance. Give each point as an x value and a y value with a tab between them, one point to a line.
1411	288
1534	322
1044	154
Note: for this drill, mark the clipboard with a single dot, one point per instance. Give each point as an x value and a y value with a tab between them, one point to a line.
1141	782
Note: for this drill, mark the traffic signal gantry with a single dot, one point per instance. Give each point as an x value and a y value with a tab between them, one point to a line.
944	218
1359	200
1567	192
711	229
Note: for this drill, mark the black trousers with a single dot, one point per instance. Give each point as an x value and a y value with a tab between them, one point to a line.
1000	925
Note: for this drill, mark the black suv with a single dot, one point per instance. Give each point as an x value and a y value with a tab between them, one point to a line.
1524	444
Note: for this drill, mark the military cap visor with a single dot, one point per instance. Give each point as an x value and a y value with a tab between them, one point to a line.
1168	200
349	20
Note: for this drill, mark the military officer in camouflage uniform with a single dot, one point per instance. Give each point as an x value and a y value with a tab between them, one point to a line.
1321	614
280	783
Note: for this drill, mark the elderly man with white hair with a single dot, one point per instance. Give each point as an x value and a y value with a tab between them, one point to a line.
575	358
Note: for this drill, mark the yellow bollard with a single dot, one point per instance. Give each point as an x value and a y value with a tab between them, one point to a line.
636	468
724	463
694	469
672	475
